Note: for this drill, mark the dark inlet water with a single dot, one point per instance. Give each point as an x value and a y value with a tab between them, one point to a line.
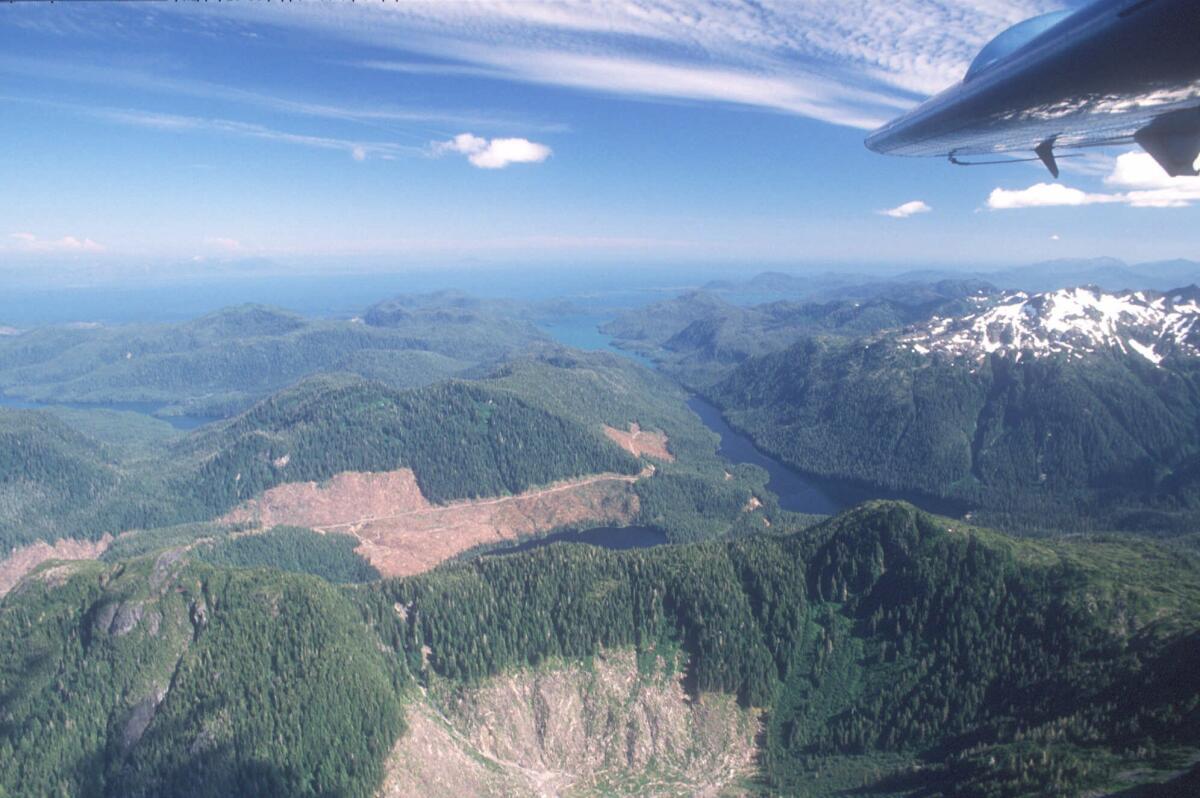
796	492
146	408
607	537
800	492
583	332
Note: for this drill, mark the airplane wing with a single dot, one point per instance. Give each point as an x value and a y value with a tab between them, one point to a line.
1114	72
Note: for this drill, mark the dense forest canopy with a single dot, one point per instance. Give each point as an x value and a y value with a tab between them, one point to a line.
942	658
221	363
1108	438
462	440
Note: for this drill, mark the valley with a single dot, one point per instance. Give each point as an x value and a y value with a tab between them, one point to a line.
749	615
556	399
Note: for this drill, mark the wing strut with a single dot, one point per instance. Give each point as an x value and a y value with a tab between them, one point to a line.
1045	153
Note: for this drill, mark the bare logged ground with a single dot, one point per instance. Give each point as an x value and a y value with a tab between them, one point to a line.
639	442
574	731
402	533
23	560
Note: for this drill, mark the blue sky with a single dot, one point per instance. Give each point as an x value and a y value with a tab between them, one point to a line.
328	136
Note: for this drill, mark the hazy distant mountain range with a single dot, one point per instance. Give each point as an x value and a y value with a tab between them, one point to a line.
1108	273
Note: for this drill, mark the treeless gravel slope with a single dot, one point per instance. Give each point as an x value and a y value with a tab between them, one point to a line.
640	442
402	533
21	561
569	730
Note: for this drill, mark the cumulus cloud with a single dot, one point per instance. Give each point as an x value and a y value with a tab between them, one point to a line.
28	242
1141	183
907	209
493	153
1043	195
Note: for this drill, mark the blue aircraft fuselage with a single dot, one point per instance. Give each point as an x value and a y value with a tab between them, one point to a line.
1117	71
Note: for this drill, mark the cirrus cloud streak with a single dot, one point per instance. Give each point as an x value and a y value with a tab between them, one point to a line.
849	64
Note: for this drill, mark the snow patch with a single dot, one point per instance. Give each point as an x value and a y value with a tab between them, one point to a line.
1071	321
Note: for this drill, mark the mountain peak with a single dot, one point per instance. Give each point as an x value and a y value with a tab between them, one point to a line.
1070	321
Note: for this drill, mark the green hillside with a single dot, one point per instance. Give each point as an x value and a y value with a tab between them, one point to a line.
462	440
219	364
159	677
1104	439
891	650
56	481
699	495
884	633
700	337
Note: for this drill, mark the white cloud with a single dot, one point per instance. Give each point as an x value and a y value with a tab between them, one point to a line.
1043	195
28	242
1146	186
494	153
1055	237
907	209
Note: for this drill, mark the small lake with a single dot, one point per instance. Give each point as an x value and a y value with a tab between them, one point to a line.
183	423
606	537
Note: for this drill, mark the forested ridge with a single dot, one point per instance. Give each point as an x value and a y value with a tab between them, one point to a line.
158	677
700	337
889	648
462	440
699	495
1106	439
220	363
329	555
882	632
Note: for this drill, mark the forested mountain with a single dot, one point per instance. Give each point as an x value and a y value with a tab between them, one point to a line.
219	364
1069	408
462	440
50	475
892	651
696	495
699	337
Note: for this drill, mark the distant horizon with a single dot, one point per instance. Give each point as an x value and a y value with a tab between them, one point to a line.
160	296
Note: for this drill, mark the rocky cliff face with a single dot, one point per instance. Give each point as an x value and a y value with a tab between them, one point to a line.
607	729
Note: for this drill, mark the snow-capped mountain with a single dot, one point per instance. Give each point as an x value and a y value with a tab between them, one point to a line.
1071	321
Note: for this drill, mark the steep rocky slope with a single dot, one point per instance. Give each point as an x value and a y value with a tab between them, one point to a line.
605	728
